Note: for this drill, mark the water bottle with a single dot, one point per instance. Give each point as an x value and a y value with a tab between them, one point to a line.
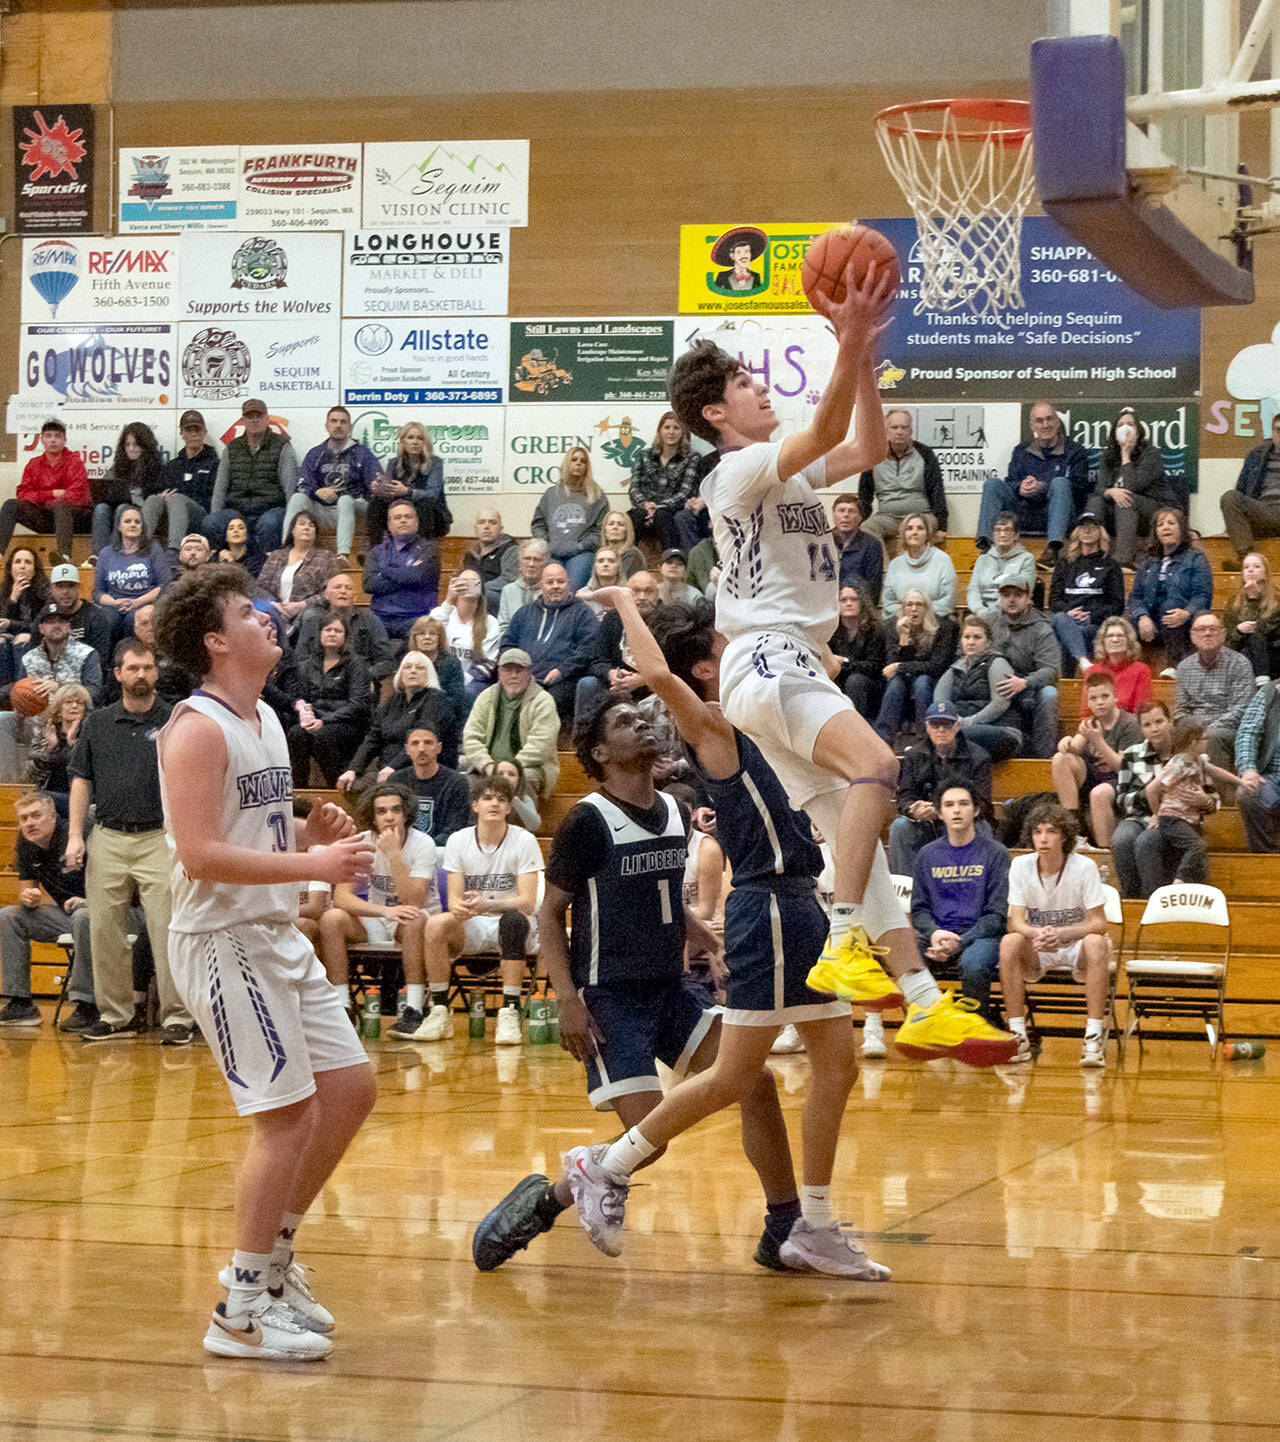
1244	1050
553	1019
537	1015
371	1026
475	1016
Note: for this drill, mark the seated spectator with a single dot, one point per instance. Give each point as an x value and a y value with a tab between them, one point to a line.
134	475
918	649
664	479
58	659
1026	640
472	633
390	909
611	669
527	585
51	900
428	636
1252	617
185	495
972	687
336	483
1092	754
88	623
54	738
618	532
416	700
674	588
569	517
1006	556
1045	485
493	556
415	474
944	755
605	572
1133	488
514	720
1180	795
1056	923
1258	767
960	897
1252	509
1214	686
1117	653
298	571
53	494
559	633
368	636
908	482
240	547
1087	587
703	568
859	642
920	565
256	473
493	869
194	551
130	572
331	686
1121	812
402	572
860	553
524	807
443	797
24	594
174	683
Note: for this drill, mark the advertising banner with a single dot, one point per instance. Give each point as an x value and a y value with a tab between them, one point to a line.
260	277
283	187
416	363
53	169
95	434
100	279
538	437
302	425
1173	427
1081	332
446	182
468	441
99	365
791	354
426	272
618	361
971	439
293	362
186	187
729	269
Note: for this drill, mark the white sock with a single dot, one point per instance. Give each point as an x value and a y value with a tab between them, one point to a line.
415	995
815	1206
511	996
249	1277
1093	1027
845	915
873	1025
626	1154
919	988
282	1252
1018	1025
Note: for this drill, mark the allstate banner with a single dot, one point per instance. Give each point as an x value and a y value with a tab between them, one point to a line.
100	278
181	187
53	169
745	267
290	362
446	182
260	276
468	440
99	365
610	361
423	362
461	270
298	187
1081	332
1173	427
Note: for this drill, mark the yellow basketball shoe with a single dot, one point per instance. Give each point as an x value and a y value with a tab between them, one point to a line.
953	1027
852	970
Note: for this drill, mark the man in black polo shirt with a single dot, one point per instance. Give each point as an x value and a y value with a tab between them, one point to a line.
114	765
50	902
444	798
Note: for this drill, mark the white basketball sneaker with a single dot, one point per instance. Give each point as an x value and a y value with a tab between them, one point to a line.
787	1042
829	1251
296	1294
508	1029
437	1027
1094	1055
264	1330
601	1202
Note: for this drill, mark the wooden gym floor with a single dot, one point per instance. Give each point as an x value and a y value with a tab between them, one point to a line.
1075	1258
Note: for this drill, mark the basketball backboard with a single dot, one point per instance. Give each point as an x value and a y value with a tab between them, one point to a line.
1136	116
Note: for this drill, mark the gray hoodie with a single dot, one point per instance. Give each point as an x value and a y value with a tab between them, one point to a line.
982	593
1028	644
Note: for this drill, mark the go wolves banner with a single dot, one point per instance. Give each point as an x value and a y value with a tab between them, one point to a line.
53	170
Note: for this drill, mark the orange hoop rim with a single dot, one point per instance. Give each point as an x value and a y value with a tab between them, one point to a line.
1011	119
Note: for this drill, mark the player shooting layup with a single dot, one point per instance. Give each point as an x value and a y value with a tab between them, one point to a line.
777	606
276	1024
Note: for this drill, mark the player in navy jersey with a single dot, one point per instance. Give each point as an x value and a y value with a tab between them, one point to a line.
618	861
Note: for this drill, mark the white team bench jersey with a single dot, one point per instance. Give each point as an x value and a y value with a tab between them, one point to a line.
257	814
778	564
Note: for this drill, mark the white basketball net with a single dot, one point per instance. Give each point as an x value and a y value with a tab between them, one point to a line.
968	190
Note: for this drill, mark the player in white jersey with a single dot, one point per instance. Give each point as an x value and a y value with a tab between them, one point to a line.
777	604
277	1026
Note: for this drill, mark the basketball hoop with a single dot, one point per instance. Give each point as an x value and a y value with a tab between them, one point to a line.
965	169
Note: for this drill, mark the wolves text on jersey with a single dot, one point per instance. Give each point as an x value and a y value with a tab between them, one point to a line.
805	517
263	788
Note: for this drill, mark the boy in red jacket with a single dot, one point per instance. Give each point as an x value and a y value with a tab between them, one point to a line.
53	494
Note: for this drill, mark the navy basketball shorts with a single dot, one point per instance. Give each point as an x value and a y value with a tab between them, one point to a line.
641	1024
772	937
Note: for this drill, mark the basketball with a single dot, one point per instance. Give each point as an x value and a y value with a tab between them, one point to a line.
27	697
826	260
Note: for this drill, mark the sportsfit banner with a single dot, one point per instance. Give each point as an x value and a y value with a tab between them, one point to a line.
53	169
